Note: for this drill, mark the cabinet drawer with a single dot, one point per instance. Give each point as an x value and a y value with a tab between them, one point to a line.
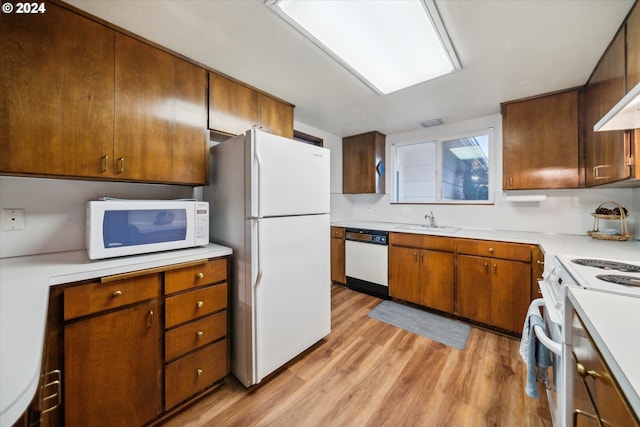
191	305
95	297
337	232
198	275
194	334
514	251
192	373
422	241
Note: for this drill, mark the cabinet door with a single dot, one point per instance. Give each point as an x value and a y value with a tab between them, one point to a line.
436	280
56	80
275	116
233	107
363	158
633	48
113	368
510	293
337	260
160	116
541	142
404	273
473	288
605	151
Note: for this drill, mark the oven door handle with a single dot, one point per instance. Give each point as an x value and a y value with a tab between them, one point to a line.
553	346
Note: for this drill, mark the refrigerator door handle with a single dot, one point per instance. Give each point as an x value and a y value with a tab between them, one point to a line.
259	173
254	290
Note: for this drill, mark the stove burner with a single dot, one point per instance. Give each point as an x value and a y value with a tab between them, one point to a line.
620	280
608	265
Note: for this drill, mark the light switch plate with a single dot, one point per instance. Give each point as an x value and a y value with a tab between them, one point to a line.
12	219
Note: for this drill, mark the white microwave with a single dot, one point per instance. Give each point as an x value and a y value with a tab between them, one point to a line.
117	227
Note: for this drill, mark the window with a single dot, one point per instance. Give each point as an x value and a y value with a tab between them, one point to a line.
444	170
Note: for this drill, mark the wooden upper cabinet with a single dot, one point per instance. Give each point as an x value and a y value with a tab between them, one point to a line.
235	108
56	78
606	152
160	116
633	48
540	142
363	163
274	116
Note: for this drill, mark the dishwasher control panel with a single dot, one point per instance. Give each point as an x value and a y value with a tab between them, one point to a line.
367	236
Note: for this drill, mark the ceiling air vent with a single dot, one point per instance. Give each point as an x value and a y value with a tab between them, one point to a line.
432	122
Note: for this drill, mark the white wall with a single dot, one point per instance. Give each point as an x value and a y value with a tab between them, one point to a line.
563	211
55	210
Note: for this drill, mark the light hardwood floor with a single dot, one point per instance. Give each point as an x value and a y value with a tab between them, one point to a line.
368	373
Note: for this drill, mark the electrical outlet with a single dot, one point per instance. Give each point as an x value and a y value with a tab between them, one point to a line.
12	219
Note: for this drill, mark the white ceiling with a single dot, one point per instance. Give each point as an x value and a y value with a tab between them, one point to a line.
509	49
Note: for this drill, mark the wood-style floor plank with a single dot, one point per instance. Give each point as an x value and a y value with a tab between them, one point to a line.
369	373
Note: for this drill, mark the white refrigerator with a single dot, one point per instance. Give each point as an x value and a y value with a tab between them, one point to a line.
269	201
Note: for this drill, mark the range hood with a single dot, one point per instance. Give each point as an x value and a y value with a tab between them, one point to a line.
624	115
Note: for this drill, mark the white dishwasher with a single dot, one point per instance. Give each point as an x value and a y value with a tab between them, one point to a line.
366	261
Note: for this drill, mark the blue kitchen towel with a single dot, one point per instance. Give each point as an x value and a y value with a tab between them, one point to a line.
535	355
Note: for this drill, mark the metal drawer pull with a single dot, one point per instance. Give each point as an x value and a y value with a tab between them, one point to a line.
495	268
56	382
199	372
584	372
578	412
486	267
116	294
199	304
199	334
199	275
491	250
105	163
150	319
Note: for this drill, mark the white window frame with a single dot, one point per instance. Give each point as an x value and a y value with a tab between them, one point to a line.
494	163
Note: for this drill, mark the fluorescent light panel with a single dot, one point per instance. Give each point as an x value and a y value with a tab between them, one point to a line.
388	44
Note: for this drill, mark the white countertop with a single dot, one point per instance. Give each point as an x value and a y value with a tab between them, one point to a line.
551	243
24	298
613	321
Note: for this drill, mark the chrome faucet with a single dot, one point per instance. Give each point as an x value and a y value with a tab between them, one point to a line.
432	219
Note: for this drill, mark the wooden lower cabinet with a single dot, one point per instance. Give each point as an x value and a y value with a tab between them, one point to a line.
192	373
493	291
196	319
338	272
595	397
484	281
131	354
422	277
111	368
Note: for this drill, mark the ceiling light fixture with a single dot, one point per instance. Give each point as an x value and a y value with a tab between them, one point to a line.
387	44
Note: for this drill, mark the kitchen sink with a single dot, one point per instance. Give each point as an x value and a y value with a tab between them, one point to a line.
427	227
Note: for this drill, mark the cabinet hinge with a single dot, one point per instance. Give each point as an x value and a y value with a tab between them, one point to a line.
629	161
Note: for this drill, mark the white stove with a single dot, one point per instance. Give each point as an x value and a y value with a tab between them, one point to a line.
562	272
605	275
